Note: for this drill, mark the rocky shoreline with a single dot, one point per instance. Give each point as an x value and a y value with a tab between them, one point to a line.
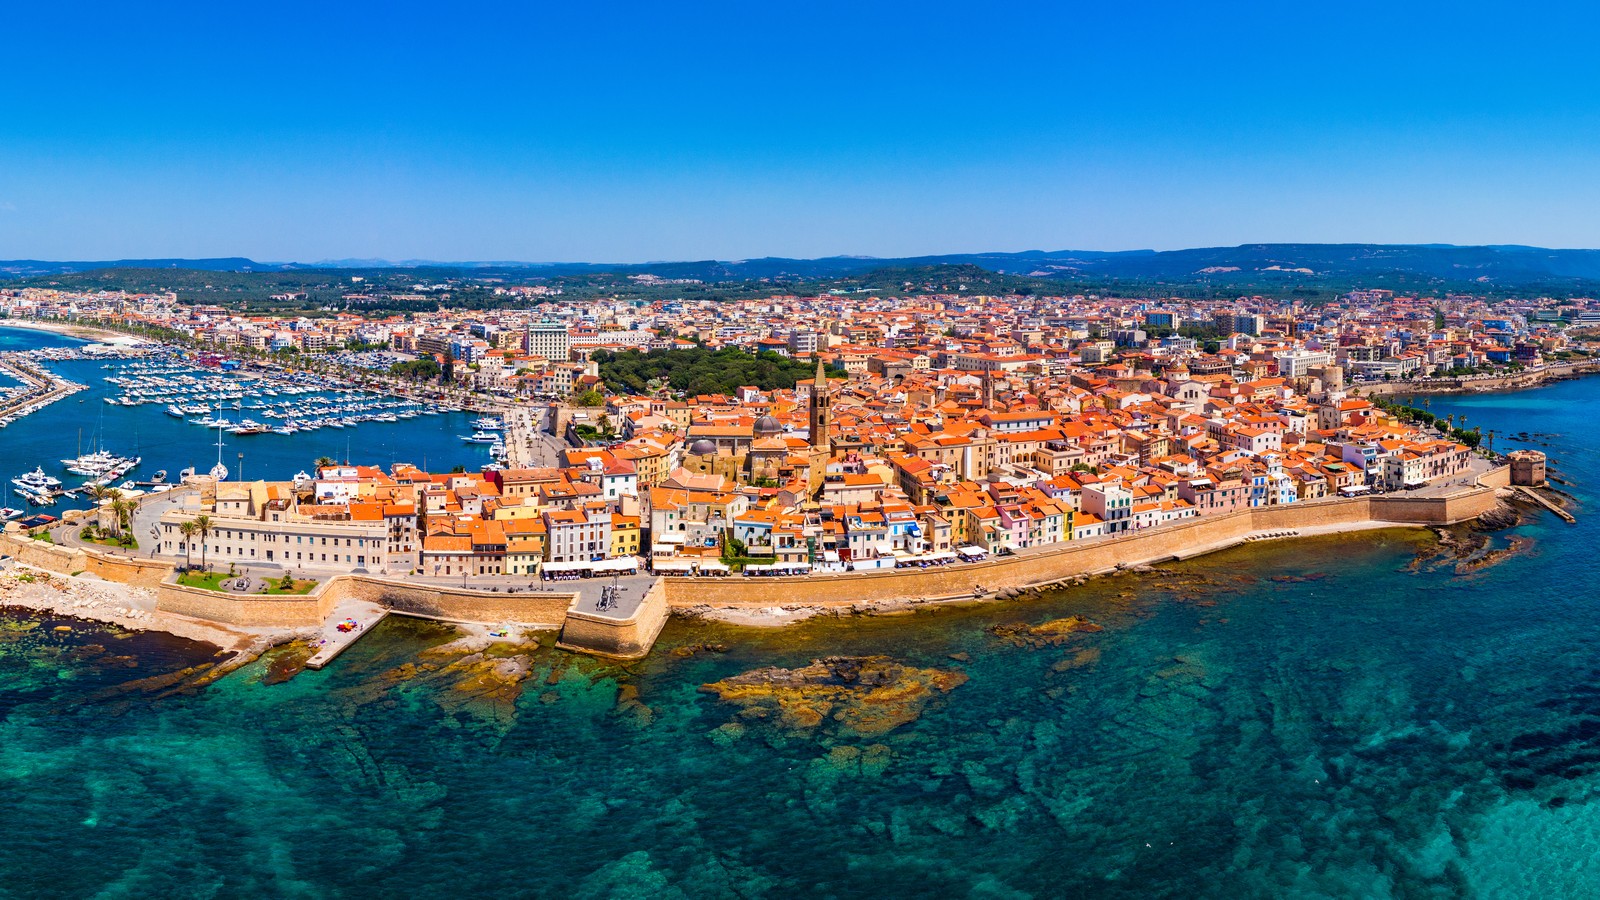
98	602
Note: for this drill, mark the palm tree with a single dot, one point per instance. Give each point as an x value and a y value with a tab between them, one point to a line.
111	498
202	527
122	511
188	530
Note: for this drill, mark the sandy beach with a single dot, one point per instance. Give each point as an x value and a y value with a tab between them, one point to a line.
85	332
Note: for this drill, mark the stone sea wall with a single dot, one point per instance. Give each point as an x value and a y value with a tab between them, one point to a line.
41	555
247	610
145	573
1045	566
628	638
282	611
632	637
455	604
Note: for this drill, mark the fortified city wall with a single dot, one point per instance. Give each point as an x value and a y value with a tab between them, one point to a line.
628	638
40	555
247	610
283	611
145	573
1032	568
632	637
454	604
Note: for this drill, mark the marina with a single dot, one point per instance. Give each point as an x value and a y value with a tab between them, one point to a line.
123	434
35	389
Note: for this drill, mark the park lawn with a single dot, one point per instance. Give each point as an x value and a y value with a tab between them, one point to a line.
212	581
114	543
300	587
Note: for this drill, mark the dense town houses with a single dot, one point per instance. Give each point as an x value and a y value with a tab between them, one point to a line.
932	428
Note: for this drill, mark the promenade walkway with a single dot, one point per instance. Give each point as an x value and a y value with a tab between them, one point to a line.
529	445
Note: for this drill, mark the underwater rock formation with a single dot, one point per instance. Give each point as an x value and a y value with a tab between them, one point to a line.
866	695
1045	634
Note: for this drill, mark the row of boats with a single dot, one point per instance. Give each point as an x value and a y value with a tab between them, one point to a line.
304	418
206	398
99	468
486	430
20	400
285	405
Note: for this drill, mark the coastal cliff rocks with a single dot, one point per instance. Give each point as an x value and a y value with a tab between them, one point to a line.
486	686
1045	634
866	695
1299	579
1080	660
630	709
84	598
474	677
1500	517
1471	547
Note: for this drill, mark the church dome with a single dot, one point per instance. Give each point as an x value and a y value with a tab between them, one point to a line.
703	447
768	425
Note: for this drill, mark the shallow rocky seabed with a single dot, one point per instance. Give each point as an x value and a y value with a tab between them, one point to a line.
1338	716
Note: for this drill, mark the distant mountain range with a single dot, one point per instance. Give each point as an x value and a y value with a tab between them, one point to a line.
1493	267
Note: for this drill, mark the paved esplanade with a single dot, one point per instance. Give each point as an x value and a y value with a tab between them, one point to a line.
529	445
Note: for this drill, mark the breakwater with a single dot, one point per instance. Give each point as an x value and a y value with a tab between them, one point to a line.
39	388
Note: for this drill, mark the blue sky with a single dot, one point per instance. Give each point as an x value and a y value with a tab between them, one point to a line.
615	131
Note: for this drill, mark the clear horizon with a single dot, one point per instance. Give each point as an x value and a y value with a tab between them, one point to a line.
351	262
634	133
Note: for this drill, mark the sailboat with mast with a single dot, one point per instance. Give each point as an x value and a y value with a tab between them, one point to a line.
219	471
99	465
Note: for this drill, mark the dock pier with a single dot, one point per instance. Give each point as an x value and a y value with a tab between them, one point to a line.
41	388
331	641
1545	502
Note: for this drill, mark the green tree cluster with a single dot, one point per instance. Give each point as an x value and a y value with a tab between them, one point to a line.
702	371
424	369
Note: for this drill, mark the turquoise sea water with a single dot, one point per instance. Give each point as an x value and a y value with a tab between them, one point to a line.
1316	718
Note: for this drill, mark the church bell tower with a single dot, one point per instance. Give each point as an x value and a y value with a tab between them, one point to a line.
821	412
